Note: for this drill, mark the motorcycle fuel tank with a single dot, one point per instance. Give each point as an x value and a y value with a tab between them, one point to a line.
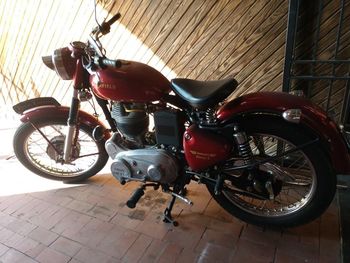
132	82
204	148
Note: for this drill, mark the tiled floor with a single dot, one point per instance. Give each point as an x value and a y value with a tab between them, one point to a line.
46	221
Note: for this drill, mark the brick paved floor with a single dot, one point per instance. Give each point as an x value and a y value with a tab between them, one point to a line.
47	221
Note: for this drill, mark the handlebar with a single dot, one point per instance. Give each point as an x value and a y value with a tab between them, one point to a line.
111	63
103	62
105	27
100	60
113	19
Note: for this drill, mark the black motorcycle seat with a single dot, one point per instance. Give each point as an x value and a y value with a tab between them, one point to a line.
203	94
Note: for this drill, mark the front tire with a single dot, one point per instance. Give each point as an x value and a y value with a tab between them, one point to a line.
300	200
37	155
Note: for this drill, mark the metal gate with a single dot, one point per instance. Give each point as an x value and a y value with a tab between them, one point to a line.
317	55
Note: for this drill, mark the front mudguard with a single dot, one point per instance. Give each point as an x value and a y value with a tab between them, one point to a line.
312	118
56	111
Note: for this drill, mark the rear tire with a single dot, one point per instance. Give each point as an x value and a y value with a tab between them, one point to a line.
32	150
322	178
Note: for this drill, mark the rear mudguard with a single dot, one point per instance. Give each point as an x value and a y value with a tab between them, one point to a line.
312	117
60	112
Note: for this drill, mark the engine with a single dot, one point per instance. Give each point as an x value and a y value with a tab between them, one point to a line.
132	120
156	165
133	161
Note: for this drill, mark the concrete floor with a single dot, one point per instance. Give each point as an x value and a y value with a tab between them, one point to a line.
47	221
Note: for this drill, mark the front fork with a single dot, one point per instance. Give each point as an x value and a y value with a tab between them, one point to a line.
71	127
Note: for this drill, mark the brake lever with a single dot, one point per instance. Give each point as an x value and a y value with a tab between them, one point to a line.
96	47
102	29
105	27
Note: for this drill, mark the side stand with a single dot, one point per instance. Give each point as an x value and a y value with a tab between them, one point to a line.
167	213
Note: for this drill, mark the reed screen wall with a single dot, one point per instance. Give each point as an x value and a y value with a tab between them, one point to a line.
199	39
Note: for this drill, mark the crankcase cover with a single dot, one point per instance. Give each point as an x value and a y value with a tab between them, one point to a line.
114	145
156	165
204	148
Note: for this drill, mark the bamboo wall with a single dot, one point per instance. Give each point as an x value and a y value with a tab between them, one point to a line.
199	39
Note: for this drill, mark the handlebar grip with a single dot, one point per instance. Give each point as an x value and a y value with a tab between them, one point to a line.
113	19
131	203
111	63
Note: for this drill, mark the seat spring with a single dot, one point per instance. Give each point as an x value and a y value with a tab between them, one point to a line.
210	115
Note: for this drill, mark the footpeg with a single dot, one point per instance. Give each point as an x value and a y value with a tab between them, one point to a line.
131	203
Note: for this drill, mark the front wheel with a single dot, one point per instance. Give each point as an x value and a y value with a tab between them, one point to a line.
39	148
304	183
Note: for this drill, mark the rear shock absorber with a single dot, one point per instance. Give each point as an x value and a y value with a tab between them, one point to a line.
244	150
243	146
261	187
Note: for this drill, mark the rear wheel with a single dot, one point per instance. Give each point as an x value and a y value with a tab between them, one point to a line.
41	151
303	182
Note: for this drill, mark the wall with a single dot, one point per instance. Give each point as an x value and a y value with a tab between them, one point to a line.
197	39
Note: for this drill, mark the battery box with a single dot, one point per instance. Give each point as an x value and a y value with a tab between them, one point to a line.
169	128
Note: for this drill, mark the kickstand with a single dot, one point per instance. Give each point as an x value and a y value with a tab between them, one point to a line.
167	213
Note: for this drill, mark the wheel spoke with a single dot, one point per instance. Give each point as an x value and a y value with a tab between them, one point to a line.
295	171
37	150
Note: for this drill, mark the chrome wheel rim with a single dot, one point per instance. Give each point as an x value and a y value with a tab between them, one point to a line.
295	194
36	150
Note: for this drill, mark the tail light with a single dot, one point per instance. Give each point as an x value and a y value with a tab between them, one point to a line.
62	62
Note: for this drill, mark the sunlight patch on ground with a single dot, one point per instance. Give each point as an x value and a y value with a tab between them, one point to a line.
15	178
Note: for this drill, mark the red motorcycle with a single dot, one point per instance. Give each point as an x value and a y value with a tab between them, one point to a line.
267	158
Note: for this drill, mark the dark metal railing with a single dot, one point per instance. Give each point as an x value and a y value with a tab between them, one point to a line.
292	61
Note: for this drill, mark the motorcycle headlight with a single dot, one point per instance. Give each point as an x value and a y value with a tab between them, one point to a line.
62	62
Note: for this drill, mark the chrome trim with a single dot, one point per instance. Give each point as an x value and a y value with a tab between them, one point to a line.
70	133
240	138
68	143
347	138
59	65
344	133
292	115
299	93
